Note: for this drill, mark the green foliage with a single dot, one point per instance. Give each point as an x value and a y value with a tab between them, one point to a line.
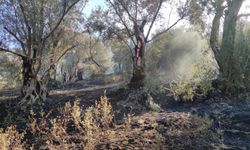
182	57
10	72
196	12
121	57
90	56
182	90
198	86
241	57
202	74
235	71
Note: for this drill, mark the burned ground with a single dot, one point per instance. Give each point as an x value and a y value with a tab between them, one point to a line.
217	122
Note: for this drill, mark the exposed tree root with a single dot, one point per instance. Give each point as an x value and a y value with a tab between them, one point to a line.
34	95
139	100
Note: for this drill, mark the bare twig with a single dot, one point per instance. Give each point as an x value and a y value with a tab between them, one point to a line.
166	30
9	51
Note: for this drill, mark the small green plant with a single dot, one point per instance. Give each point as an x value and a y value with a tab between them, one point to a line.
203	74
181	90
198	85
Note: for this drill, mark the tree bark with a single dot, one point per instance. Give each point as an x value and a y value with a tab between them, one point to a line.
228	39
214	37
137	80
224	52
79	75
33	90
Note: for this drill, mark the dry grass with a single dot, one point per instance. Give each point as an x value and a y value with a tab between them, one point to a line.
93	128
10	139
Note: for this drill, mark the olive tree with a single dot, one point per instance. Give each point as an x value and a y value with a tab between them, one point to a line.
25	25
132	22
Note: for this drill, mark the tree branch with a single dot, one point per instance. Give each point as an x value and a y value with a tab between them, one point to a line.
23	13
136	9
243	15
65	11
214	37
51	64
166	30
126	9
91	46
15	36
27	27
123	22
154	18
125	42
22	29
41	21
65	53
9	51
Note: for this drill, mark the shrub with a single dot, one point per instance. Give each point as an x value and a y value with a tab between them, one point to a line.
202	74
70	129
181	90
198	85
97	120
10	139
76	112
91	128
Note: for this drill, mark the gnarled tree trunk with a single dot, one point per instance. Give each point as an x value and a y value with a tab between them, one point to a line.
34	91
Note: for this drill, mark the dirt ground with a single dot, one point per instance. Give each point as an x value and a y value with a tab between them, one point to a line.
216	122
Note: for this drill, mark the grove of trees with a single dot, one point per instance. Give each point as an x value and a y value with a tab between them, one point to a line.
46	39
